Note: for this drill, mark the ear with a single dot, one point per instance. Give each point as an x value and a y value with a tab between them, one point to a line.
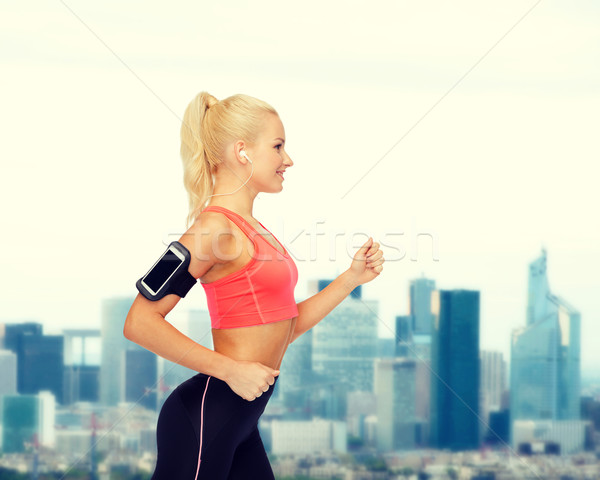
238	146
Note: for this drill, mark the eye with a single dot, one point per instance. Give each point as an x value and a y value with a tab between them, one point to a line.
278	146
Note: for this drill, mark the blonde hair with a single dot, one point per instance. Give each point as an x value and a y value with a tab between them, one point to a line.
208	126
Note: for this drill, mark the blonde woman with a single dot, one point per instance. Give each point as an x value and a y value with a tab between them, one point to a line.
208	427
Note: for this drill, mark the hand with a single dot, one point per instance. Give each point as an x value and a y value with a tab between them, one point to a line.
251	379
367	263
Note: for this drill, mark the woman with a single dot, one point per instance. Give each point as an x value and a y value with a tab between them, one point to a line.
208	426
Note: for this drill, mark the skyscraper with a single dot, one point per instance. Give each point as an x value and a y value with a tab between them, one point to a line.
395	388
26	419
13	335
296	369
140	378
545	364
343	349
39	358
404	336
493	379
114	346
455	370
420	305
81	366
8	372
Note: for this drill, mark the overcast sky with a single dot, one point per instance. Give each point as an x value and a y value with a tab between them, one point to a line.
461	135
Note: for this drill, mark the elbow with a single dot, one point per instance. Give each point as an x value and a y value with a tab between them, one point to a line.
129	328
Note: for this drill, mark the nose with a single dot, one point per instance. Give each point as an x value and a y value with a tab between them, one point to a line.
288	160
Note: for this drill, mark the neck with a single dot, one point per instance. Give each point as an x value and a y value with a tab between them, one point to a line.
242	208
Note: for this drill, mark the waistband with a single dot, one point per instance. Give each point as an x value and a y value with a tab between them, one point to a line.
201	375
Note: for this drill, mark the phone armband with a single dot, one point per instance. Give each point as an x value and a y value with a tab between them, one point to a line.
168	275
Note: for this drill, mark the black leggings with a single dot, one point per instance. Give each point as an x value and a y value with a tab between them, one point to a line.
206	431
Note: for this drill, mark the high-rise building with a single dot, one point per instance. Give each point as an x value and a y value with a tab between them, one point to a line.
39	358
344	347
420	305
140	378
8	372
27	419
361	405
545	355
82	367
114	346
13	335
493	379
297	376
404	336
395	388
454	420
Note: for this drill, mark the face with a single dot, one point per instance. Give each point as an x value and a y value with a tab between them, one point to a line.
270	160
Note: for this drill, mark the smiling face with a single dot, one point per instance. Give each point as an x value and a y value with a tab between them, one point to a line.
269	157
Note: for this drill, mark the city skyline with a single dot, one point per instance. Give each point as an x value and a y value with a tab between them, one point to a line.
355	391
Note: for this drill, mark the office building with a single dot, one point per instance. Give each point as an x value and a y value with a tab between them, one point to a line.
395	388
8	369
296	378
40	364
81	365
114	345
545	354
344	347
420	305
404	336
39	358
27	420
141	378
454	422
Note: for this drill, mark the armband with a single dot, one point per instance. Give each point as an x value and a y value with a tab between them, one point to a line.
168	275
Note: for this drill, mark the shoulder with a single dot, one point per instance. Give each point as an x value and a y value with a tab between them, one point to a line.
207	239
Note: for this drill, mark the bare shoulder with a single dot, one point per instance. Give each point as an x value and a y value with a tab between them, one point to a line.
207	239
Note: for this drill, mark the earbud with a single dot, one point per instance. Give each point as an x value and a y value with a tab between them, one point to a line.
243	154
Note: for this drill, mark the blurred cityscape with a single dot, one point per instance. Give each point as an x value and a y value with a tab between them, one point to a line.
349	405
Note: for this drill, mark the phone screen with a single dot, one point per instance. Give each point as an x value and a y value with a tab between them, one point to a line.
162	271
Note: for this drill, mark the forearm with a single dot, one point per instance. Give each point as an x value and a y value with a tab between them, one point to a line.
154	333
314	309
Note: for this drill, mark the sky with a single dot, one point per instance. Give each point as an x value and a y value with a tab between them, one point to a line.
460	135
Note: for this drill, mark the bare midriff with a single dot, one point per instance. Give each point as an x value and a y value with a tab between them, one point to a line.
259	343
266	343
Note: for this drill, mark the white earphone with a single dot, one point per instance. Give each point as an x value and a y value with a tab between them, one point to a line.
243	154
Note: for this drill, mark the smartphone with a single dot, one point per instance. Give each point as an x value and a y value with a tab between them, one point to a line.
166	266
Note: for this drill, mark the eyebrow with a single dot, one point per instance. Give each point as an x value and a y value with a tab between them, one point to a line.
279	138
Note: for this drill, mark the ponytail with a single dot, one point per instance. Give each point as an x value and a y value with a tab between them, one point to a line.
197	169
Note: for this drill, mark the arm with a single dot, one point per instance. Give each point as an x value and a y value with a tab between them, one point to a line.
366	265
146	322
314	309
148	327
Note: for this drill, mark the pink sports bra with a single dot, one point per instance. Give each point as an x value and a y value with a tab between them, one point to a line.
262	291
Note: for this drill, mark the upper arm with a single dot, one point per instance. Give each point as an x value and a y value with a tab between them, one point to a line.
205	242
